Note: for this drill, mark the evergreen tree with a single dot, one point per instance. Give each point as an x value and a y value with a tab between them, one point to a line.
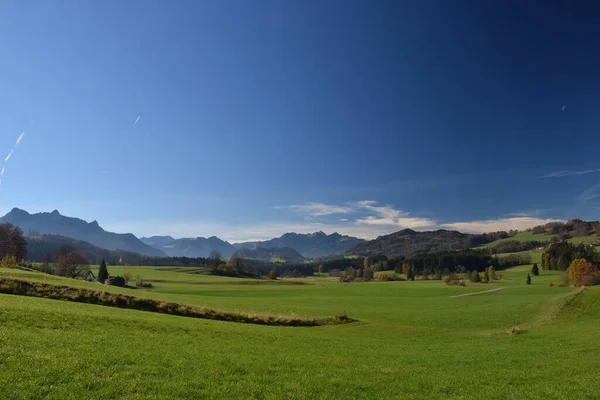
563	263
102	272
528	279
535	270
486	278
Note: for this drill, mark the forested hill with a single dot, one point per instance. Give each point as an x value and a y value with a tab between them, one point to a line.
408	242
286	254
46	247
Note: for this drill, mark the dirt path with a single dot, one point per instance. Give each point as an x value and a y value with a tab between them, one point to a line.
473	294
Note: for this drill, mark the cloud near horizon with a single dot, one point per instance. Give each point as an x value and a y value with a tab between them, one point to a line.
373	221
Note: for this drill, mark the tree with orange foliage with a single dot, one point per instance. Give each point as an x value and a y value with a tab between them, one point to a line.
579	269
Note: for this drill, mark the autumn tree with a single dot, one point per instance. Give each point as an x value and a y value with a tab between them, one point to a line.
579	269
63	250
9	261
72	265
406	270
12	242
102	272
535	270
366	262
491	272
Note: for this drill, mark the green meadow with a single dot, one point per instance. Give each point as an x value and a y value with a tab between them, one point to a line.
413	340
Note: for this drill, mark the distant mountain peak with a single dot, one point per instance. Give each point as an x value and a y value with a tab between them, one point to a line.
54	223
310	245
17	211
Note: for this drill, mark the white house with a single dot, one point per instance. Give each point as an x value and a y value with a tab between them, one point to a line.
91	277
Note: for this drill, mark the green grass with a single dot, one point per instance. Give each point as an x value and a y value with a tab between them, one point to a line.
584	239
519	237
413	341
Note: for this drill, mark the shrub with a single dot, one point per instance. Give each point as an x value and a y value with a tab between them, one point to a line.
591	279
272	274
382	277
551	284
117	281
515	330
9	262
535	271
528	279
474	277
139	282
580	270
453	280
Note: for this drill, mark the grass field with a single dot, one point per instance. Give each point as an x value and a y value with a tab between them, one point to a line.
519	237
412	341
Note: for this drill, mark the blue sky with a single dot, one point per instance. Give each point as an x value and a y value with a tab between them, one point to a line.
259	118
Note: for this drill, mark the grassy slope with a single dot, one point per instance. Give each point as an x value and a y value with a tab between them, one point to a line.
413	341
530	237
520	237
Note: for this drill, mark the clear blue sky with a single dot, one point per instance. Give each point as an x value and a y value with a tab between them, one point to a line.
258	118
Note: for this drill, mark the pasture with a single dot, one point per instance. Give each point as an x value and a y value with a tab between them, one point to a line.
413	340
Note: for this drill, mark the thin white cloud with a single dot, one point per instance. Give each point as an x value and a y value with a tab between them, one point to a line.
563	108
2	172
19	139
318	209
105	172
561	174
136	120
391	217
9	155
588	194
344	219
494	225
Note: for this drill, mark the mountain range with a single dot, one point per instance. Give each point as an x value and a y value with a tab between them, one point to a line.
190	247
311	245
55	224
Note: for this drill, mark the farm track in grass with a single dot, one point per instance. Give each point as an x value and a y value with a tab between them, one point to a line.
411	342
476	293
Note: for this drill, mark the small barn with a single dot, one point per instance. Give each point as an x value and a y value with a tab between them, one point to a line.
91	277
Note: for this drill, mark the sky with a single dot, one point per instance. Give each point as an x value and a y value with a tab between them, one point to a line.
249	119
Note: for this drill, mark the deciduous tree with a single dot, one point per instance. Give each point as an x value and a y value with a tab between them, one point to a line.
73	265
579	269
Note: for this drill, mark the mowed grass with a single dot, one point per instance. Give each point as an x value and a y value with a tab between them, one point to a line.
413	341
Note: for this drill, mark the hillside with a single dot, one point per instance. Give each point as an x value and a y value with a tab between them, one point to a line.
43	246
190	247
286	254
408	242
310	245
55	224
